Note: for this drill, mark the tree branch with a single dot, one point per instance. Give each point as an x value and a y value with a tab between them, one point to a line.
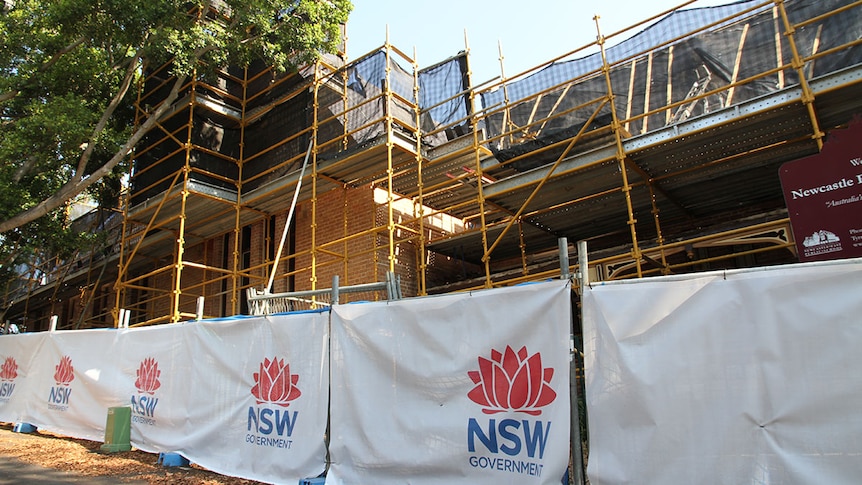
8	95
24	169
79	183
106	116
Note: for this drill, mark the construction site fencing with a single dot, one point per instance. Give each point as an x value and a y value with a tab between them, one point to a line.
725	374
285	397
262	303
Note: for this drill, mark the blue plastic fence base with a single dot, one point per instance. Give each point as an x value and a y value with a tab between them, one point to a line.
24	428
172	459
313	481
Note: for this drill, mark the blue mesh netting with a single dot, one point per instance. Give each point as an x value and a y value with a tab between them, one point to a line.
365	82
444	82
672	61
668	28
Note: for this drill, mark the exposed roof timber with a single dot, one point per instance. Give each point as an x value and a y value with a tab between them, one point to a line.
791	95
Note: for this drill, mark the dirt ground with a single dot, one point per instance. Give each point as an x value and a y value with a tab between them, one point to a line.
83	458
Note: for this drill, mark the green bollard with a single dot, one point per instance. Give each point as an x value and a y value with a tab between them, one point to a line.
118	430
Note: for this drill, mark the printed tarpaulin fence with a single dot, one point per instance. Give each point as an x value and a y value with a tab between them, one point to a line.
240	396
460	388
472	387
737	377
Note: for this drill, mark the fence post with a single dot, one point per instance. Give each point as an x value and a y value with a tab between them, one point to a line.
583	276
583	265
563	245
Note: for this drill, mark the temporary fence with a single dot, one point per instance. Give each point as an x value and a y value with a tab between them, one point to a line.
262	303
470	386
742	376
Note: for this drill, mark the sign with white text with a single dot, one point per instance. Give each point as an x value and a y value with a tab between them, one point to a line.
823	194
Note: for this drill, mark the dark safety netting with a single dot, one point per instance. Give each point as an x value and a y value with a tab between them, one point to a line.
444	99
161	154
688	63
353	105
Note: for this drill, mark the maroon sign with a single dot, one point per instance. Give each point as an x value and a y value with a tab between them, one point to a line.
823	193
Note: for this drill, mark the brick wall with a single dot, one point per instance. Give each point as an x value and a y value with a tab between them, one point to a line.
348	247
344	211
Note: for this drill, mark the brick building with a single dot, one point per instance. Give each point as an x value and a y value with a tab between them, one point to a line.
661	151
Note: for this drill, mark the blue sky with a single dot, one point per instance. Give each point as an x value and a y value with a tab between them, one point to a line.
530	32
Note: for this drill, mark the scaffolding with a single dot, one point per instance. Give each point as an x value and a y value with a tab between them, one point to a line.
660	149
215	177
663	150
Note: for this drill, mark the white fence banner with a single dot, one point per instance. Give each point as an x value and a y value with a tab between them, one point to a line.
736	377
158	364
460	388
19	388
70	387
260	389
241	396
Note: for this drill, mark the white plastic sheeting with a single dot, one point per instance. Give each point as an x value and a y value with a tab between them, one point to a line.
461	388
728	377
241	396
471	388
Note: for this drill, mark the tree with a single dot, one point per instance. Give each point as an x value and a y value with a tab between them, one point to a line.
67	74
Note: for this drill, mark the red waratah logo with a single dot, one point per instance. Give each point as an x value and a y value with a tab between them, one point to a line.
511	381
148	376
274	383
9	370
64	373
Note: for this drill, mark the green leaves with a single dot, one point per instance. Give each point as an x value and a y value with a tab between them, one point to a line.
62	62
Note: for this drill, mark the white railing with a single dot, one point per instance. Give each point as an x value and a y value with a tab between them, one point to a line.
262	303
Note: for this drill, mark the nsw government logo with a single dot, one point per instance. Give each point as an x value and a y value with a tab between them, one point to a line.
145	402
514	383
8	373
270	423
64	374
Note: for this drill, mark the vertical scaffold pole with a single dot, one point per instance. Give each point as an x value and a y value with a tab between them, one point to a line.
119	287
420	201
390	198
620	151
799	66
181	232
507	124
480	200
314	174
480	197
237	229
